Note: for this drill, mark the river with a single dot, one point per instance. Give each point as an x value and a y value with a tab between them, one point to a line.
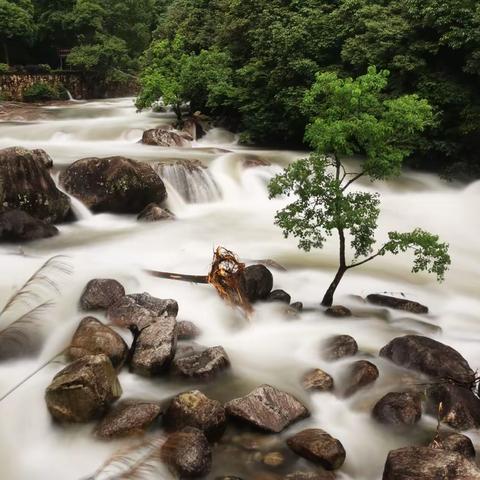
274	347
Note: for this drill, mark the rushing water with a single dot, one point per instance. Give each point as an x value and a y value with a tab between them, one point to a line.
275	347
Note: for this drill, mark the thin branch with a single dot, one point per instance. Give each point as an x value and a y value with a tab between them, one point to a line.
369	259
354	179
179	276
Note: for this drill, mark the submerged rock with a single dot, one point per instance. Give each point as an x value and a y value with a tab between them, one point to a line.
93	337
204	364
360	374
317	379
279	296
83	390
267	408
113	184
399	408
166	137
456	442
130	417
340	346
154	213
101	293
397	303
258	282
338	311
187	330
26	185
318	446
18	226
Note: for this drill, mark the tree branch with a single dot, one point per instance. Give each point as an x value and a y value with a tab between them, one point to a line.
354	179
369	259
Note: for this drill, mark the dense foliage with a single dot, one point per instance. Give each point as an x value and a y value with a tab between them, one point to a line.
39	92
348	116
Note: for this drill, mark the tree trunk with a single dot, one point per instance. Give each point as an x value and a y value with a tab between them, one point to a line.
178	112
328	297
5	53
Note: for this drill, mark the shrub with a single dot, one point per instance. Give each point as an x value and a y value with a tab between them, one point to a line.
4	68
41	91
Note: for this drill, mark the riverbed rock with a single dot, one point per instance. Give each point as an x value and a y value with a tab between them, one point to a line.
340	346
398	408
425	463
317	379
154	213
101	293
456	442
113	184
187	330
19	226
194	409
429	357
83	390
360	374
26	184
297	306
338	311
93	337
188	453
258	282
460	407
318	446
204	364
324	475
129	417
166	137
280	296
267	408
397	303
154	348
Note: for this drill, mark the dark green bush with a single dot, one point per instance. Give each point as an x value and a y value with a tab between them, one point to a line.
4	68
40	91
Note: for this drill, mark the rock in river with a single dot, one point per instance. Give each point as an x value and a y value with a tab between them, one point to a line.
397	303
204	364
360	374
154	213
258	282
340	346
317	379
456	442
18	226
399	408
166	137
101	293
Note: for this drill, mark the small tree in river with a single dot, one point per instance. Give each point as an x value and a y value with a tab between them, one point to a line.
353	116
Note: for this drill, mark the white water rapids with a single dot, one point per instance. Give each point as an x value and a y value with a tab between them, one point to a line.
274	348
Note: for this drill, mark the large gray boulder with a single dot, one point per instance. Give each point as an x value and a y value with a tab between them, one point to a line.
101	293
18	226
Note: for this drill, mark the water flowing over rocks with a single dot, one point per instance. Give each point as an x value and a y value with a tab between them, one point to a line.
267	408
258	282
113	184
204	364
340	346
360	374
83	390
404	408
317	379
26	184
166	137
101	293
154	213
318	446
397	303
129	417
456	442
19	226
93	338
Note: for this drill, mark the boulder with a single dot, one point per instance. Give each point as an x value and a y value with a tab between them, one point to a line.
26	184
317	379
279	296
460	407
267	408
398	408
101	293
83	390
338	311
258	282
204	364
429	357
194	409
154	213
154	348
188	453
456	442
425	463
297	306
397	303
318	446
340	346
93	337
360	374
113	184
166	137
19	226
129	417
187	330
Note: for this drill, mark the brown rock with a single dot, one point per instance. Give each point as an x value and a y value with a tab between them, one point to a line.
187	330
317	379
340	346
258	282
154	213
338	311
395	408
101	293
360	374
310	476
397	303
166	137
280	296
204	364
18	226
456	442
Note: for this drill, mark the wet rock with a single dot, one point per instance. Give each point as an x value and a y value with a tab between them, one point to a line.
317	379
427	463
188	453
187	330
460	407
429	357
361	374
252	161
318	446
297	306
166	137
154	213
130	417
397	303
396	408
113	184
310	476
194	409
204	364
267	408
83	390
258	282
27	186
18	226
93	337
273	459
338	311
279	296
456	442
195	126
101	293
340	346
154	348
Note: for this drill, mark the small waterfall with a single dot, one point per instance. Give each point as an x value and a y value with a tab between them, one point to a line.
190	179
80	211
70	97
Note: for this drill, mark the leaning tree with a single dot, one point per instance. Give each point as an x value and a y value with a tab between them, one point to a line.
354	117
